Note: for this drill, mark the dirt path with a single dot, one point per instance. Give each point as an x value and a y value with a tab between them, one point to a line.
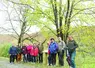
4	63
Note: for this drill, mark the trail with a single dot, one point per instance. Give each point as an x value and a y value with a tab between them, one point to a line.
4	63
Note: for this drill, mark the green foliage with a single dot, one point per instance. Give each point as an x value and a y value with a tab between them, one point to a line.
4	48
84	35
83	14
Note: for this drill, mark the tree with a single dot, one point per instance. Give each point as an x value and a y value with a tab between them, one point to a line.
60	14
17	14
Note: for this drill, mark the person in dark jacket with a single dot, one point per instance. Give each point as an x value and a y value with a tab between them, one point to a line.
72	45
53	48
18	59
40	47
13	53
24	52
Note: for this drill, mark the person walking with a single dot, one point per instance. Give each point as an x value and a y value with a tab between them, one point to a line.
61	48
13	53
72	45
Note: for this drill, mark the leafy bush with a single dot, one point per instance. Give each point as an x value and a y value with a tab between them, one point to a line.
4	48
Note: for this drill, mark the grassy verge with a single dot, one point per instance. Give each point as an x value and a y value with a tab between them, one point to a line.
87	62
4	48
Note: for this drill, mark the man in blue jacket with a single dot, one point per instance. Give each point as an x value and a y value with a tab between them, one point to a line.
53	48
13	53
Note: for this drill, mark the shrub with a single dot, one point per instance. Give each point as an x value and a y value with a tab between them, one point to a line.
4	48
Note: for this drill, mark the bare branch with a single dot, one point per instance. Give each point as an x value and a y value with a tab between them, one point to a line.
80	10
67	13
77	2
8	31
30	37
28	29
50	29
12	24
43	42
21	4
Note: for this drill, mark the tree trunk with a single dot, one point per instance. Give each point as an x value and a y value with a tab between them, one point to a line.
55	11
60	20
20	40
68	18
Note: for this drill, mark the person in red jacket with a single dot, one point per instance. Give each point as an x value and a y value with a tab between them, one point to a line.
49	53
48	46
34	52
28	52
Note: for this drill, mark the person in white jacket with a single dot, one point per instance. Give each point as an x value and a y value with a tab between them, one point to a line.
61	48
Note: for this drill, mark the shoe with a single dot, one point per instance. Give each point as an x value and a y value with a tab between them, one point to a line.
49	64
12	63
71	67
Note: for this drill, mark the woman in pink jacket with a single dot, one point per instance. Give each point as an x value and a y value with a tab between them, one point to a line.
34	52
28	52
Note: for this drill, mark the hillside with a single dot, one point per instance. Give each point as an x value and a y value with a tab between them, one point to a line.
4	38
7	38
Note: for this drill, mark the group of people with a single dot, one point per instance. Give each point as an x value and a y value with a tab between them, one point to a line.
34	52
30	53
60	48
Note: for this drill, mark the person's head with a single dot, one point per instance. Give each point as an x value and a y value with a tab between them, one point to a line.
70	38
24	44
59	38
13	45
38	43
34	44
52	40
48	43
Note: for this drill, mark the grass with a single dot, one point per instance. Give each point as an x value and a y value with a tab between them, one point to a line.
86	62
81	62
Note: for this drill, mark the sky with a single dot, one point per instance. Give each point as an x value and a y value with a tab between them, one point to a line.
5	24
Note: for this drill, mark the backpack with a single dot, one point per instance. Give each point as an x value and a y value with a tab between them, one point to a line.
53	47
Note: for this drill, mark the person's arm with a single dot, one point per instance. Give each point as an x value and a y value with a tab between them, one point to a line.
49	47
10	51
57	47
64	45
75	45
17	51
